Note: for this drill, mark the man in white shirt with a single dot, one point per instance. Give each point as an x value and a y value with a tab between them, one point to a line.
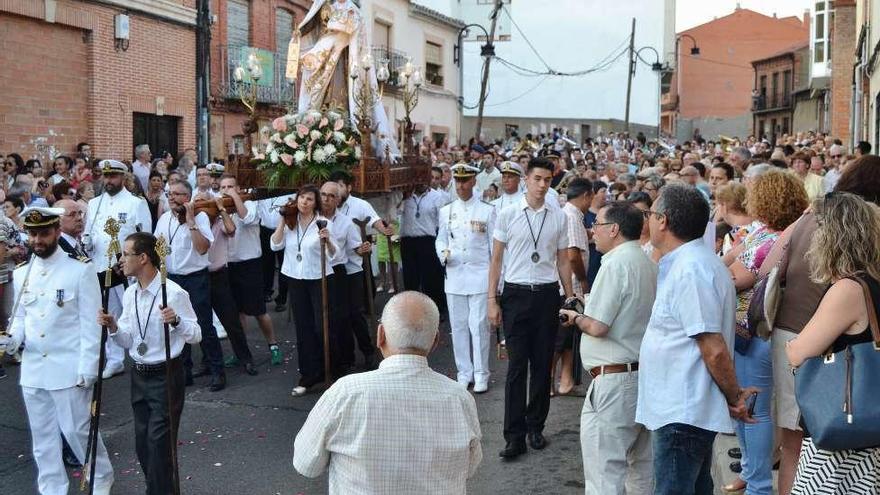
422	434
688	389
510	191
489	175
141	331
203	183
133	215
188	266
530	239
835	161
267	211
245	263
142	165
464	245
419	213
616	450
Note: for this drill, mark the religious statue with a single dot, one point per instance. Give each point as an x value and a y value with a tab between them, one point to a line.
333	32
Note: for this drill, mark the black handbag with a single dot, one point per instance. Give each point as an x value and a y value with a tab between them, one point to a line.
837	393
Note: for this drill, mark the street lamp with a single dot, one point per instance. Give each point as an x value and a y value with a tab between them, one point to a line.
657	67
248	95
695	51
487	51
410	81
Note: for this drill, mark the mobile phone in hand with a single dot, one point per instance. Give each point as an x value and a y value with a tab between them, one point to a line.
751	401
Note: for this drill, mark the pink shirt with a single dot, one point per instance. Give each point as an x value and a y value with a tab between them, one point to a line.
218	254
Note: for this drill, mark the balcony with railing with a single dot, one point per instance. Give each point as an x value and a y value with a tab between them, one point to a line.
396	60
768	103
273	88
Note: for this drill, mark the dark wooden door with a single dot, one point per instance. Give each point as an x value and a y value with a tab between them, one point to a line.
159	132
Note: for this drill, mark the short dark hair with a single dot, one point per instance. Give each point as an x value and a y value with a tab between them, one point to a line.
437	169
16	201
80	146
540	162
145	243
341	176
862	177
598	185
627	217
68	160
637	197
578	187
864	147
185	184
728	169
685	209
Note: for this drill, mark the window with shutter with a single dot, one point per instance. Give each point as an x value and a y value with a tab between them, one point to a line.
433	64
237	23
283	32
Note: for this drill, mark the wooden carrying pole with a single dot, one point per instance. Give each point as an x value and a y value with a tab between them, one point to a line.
325	304
391	268
368	270
162	251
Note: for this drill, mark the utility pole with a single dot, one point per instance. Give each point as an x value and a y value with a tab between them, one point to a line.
630	71
485	81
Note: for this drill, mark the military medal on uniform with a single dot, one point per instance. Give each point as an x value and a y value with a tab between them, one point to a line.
535	256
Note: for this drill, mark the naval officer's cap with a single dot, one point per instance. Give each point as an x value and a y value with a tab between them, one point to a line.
35	217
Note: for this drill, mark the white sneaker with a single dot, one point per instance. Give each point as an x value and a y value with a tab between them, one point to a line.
480	387
111	371
298	391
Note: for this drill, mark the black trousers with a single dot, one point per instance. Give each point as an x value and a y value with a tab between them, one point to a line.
341	337
153	434
357	294
530	320
271	261
422	270
198	285
227	312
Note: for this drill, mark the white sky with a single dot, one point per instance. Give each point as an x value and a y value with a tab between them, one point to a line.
690	13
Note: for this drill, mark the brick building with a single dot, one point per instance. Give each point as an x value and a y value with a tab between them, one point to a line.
776	79
67	78
711	91
842	38
242	26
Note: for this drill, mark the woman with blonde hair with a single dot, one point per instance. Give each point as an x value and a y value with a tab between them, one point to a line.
844	251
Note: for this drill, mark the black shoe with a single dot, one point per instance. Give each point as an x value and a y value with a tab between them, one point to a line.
188	381
2	373
513	450
250	369
736	467
268	297
203	371
536	440
218	383
70	460
735	453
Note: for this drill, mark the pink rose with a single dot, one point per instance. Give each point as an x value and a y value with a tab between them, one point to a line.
324	122
287	159
279	124
338	125
302	130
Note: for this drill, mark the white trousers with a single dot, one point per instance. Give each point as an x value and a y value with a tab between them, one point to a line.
115	353
616	450
470	335
66	411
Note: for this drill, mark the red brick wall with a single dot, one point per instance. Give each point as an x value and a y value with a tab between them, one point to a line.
842	58
159	62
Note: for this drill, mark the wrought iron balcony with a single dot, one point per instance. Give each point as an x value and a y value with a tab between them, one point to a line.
396	60
272	88
767	103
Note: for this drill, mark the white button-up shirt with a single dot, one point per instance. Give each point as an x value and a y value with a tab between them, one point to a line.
184	259
61	342
577	238
245	244
360	210
484	178
421	435
420	213
267	210
466	233
505	200
512	228
145	305
347	237
141	172
132	213
304	240
695	295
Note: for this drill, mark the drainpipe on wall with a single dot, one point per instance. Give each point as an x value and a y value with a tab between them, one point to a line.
203	74
855	118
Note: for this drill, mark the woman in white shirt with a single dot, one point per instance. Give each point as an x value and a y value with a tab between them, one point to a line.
298	235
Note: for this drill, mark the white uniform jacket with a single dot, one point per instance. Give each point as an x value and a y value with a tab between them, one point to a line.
57	321
464	243
132	213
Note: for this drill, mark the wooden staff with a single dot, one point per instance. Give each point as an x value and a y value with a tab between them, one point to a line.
325	304
368	270
391	268
111	227
163	251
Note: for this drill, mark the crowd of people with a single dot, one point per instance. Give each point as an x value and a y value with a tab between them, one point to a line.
636	261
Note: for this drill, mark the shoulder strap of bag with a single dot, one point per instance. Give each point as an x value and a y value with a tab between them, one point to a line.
872	312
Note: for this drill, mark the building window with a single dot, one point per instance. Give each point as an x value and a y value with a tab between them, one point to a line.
823	31
785	125
434	64
238	23
382	34
236	147
283	32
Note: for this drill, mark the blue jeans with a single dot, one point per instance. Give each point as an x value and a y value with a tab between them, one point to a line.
683	460
755	369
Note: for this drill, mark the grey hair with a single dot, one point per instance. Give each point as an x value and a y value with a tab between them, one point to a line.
621	168
685	209
656	181
757	169
184	163
141	148
411	321
628	179
743	152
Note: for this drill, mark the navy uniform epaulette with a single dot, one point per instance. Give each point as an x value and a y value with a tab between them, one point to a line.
23	263
84	259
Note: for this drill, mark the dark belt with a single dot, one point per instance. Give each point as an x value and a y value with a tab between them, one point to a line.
197	273
607	369
152	369
532	287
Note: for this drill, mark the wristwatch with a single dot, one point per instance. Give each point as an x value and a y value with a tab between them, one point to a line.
176	321
193	227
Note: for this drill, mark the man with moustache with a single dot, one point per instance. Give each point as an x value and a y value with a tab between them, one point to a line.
133	215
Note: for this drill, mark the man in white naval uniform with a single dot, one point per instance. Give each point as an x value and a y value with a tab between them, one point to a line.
511	191
464	245
133	215
58	296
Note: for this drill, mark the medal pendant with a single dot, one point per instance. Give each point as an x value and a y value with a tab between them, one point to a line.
299	257
418	214
142	348
536	257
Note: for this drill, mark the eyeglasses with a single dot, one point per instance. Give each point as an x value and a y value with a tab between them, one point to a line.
599	224
652	212
327	195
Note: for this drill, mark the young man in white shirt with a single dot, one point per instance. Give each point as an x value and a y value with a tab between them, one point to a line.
530	240
419	215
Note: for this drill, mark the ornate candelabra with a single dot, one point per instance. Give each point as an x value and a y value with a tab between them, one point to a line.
247	94
365	98
410	81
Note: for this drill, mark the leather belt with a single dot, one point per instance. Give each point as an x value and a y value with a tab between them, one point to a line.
607	369
532	287
151	369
